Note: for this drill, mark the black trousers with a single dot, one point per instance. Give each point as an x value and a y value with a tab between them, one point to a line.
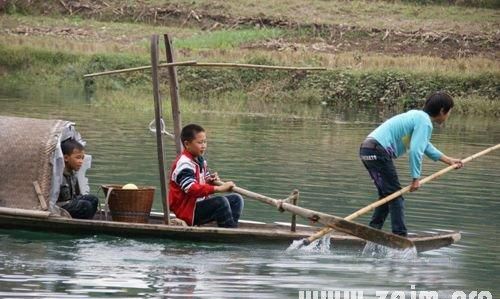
82	207
383	173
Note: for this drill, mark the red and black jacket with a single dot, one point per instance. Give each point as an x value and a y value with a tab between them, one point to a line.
187	185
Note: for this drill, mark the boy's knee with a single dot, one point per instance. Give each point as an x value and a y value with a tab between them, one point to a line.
397	203
220	202
240	198
90	199
88	207
235	198
241	202
224	202
94	200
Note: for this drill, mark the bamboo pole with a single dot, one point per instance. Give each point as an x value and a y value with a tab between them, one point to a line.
140	68
39	194
327	230
338	223
24	212
158	118
293	223
174	93
258	66
206	64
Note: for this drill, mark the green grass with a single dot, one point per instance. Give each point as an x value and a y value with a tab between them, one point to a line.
398	15
395	15
477	105
225	39
353	78
346	60
95	36
467	3
27	66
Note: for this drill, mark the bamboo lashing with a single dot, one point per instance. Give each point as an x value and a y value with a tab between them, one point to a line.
327	230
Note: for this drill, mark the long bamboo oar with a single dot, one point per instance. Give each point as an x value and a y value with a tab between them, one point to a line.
396	194
361	231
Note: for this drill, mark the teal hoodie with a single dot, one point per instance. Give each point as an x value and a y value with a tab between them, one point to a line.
410	131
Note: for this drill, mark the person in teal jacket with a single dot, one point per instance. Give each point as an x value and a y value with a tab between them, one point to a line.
406	132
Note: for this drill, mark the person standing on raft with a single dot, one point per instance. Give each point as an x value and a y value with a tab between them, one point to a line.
406	132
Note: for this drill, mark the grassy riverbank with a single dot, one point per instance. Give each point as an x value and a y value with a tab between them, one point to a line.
365	67
242	89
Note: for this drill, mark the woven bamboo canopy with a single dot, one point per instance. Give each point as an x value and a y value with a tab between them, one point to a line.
27	148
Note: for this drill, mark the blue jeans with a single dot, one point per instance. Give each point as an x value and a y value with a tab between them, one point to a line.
82	207
383	173
225	210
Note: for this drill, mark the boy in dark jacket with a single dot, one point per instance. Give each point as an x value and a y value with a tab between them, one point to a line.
70	198
191	184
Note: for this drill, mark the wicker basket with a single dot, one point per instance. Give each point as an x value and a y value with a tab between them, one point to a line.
130	205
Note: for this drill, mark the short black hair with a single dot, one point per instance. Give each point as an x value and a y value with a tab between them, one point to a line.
189	132
69	145
437	101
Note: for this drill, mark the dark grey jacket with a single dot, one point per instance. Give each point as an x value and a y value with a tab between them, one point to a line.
69	188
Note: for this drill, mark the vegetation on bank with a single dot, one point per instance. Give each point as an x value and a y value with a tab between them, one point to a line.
371	59
326	26
475	93
468	15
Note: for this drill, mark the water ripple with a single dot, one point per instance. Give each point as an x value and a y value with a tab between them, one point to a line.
272	157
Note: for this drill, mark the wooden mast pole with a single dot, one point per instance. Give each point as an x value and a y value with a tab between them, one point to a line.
174	93
158	123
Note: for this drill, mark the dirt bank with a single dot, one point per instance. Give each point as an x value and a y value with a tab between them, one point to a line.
323	37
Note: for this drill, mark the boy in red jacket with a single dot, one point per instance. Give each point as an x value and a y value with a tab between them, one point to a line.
191	184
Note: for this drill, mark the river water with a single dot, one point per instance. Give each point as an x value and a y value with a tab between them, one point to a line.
273	156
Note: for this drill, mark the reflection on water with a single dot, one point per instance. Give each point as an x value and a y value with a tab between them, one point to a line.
270	156
116	266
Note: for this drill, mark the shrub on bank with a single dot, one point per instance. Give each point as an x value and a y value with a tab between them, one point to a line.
385	88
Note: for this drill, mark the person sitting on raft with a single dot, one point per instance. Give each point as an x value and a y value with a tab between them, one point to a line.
191	184
70	198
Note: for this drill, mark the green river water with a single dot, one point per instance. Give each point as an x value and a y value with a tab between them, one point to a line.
269	155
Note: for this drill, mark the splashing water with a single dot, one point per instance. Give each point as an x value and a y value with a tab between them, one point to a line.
371	249
318	246
375	250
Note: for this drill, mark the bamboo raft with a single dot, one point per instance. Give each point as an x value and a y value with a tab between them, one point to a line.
27	191
27	200
249	232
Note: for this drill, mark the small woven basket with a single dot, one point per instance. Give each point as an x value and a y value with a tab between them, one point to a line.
130	205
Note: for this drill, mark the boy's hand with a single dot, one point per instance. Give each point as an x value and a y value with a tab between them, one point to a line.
457	162
452	161
227	186
415	184
212	178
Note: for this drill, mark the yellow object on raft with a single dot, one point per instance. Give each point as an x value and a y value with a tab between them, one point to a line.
130	187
